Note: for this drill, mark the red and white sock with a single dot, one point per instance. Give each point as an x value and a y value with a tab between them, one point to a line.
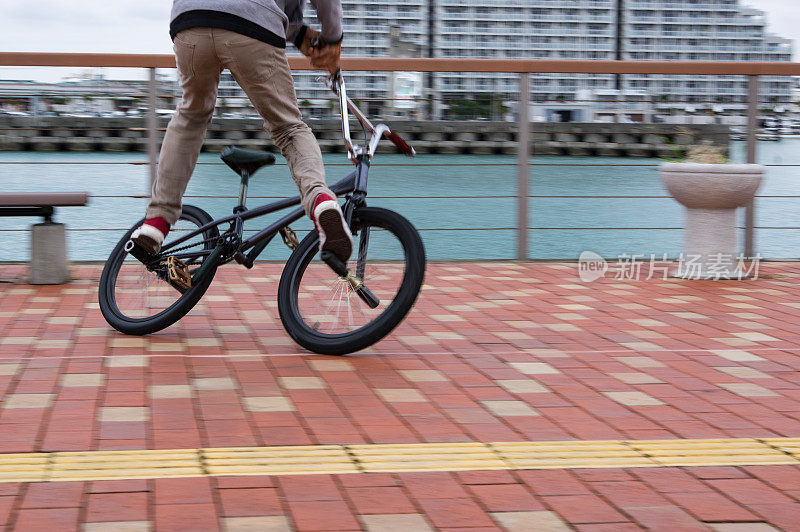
320	199
158	223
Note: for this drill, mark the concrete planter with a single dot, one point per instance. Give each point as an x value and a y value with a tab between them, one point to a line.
711	194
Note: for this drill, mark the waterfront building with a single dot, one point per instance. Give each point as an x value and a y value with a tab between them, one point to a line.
367	33
703	30
656	30
88	93
643	30
523	29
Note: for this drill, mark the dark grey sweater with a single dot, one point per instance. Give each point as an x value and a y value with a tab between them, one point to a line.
271	21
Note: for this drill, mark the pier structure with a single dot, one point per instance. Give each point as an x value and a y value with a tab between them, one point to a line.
77	134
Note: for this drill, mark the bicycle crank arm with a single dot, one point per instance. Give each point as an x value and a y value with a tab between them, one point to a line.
207	264
173	274
339	268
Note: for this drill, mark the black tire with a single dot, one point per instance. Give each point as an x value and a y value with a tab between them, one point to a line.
121	318
380	228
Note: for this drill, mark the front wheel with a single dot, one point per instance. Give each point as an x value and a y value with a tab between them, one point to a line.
323	313
138	300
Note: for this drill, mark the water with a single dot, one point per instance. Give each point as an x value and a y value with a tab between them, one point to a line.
481	224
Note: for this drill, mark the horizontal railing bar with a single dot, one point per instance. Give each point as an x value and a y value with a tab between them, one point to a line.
492	196
606	228
93	95
597	197
75	229
259	129
390	64
407	132
97	229
144	196
141	163
742	103
93	229
421	165
75	162
401	131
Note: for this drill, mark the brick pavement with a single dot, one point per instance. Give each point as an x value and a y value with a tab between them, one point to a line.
495	352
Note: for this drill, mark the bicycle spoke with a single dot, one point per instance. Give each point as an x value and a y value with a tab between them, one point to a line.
330	304
339	293
349	291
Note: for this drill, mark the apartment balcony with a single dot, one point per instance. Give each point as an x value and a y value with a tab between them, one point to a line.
705	48
739	34
682	7
694	20
473	32
387	4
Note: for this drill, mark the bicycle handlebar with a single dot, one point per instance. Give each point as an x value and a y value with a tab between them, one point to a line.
401	144
336	83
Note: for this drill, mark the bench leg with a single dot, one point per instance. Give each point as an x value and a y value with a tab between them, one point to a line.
49	254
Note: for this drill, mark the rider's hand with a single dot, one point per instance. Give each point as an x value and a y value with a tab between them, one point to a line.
326	57
310	35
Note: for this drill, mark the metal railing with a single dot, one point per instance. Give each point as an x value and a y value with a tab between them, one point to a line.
523	68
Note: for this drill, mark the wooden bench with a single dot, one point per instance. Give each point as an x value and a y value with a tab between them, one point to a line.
49	263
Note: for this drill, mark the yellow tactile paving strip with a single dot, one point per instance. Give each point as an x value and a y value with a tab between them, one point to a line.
339	459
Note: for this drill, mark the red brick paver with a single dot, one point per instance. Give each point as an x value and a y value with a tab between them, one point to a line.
491	352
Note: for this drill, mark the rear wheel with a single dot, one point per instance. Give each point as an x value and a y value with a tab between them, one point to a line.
323	313
138	300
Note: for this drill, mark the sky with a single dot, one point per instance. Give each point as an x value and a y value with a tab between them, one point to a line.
98	26
141	26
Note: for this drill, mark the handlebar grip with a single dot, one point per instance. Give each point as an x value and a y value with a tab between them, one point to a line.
402	145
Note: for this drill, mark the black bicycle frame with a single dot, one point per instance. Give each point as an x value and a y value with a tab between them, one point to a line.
354	183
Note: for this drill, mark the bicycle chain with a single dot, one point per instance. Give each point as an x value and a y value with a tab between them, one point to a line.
202	243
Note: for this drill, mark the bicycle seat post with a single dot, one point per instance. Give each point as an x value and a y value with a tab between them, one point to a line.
243	191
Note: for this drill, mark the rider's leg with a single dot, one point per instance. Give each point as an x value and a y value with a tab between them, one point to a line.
262	71
198	69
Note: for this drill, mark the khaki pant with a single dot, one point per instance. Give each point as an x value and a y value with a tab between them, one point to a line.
262	71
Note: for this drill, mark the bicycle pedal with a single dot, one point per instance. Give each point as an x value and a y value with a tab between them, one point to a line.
138	253
178	273
289	238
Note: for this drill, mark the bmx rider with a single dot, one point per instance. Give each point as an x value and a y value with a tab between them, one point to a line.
248	37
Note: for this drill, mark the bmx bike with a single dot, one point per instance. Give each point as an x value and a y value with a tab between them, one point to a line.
326	306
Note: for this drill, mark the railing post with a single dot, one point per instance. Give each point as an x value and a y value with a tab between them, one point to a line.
752	142
152	127
523	172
